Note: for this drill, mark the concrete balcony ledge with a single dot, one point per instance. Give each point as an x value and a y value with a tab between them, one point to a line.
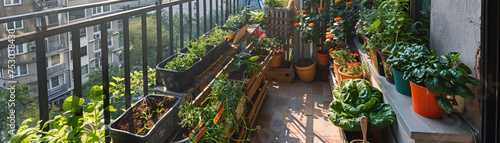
410	126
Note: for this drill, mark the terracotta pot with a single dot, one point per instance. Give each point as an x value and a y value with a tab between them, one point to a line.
306	74
344	76
387	68
424	102
335	70
275	61
373	57
323	57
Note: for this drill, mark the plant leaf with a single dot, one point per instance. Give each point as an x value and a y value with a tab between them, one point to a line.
464	91
473	80
445	104
466	68
435	85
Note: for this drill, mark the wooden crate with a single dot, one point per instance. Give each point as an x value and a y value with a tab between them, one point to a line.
285	73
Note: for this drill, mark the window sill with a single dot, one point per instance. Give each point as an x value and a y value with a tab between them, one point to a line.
450	128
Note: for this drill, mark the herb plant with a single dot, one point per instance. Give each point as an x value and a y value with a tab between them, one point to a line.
359	98
242	17
182	62
257	16
415	61
189	116
198	48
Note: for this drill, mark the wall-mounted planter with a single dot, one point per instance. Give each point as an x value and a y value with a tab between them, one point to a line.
125	130
177	81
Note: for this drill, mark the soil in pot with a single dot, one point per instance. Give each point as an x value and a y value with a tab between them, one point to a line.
138	121
183	134
304	62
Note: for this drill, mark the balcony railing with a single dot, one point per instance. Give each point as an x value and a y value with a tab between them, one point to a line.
56	91
208	6
56	69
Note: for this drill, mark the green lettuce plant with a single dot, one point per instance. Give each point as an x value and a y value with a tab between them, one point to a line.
64	128
182	62
414	61
357	98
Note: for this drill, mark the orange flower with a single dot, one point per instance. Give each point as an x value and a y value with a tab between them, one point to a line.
348	3
337	19
311	24
329	36
341	26
304	11
350	70
328	29
348	50
321	9
296	24
336	1
298	11
302	22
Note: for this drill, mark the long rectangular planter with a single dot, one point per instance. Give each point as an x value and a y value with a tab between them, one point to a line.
162	129
224	45
206	60
177	81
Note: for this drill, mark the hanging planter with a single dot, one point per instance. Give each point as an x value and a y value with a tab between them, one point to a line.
306	69
151	120
425	103
402	86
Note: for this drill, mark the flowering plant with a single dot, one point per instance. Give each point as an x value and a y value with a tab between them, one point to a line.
343	56
264	44
364	21
353	68
309	21
343	15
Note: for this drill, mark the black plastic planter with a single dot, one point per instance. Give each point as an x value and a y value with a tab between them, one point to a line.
177	81
206	60
158	133
224	45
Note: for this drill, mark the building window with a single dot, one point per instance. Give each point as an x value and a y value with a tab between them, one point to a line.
55	59
97	62
83	51
83	32
21	49
85	69
56	81
110	41
18	24
76	14
22	70
97	46
11	2
97	28
53	20
101	9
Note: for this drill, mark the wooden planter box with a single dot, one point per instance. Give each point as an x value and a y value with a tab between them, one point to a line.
285	73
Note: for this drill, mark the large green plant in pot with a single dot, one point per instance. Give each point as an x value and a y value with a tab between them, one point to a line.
359	98
450	78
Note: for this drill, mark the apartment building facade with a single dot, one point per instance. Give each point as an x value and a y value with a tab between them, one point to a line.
58	47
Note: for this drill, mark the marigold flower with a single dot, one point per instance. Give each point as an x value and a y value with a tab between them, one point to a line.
341	26
298	11
304	11
311	24
296	24
328	29
330	36
348	50
345	54
321	9
336	1
348	3
302	22
337	19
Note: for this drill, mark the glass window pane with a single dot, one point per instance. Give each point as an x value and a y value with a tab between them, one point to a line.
55	59
55	81
83	51
77	14
83	32
106	8
10	25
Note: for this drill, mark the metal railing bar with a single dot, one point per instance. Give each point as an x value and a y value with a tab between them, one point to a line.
205	19
29	36
211	15
126	50
171	29
105	75
198	18
217	11
56	10
144	53
159	42
77	70
190	23
43	92
181	25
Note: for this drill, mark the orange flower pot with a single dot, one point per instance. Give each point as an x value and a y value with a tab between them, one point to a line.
275	61
425	103
323	57
335	70
306	74
344	76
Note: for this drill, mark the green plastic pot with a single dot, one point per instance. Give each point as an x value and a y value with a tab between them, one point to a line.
402	86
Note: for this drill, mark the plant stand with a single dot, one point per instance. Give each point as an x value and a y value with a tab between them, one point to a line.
284	73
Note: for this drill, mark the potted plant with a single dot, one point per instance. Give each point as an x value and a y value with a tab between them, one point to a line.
306	69
399	61
241	18
355	99
201	49
352	70
340	56
450	78
220	37
178	71
189	117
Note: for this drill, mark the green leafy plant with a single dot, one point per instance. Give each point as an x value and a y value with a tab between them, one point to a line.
70	127
357	98
311	21
275	3
450	78
198	48
250	63
182	62
216	36
257	16
189	115
242	17
414	61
